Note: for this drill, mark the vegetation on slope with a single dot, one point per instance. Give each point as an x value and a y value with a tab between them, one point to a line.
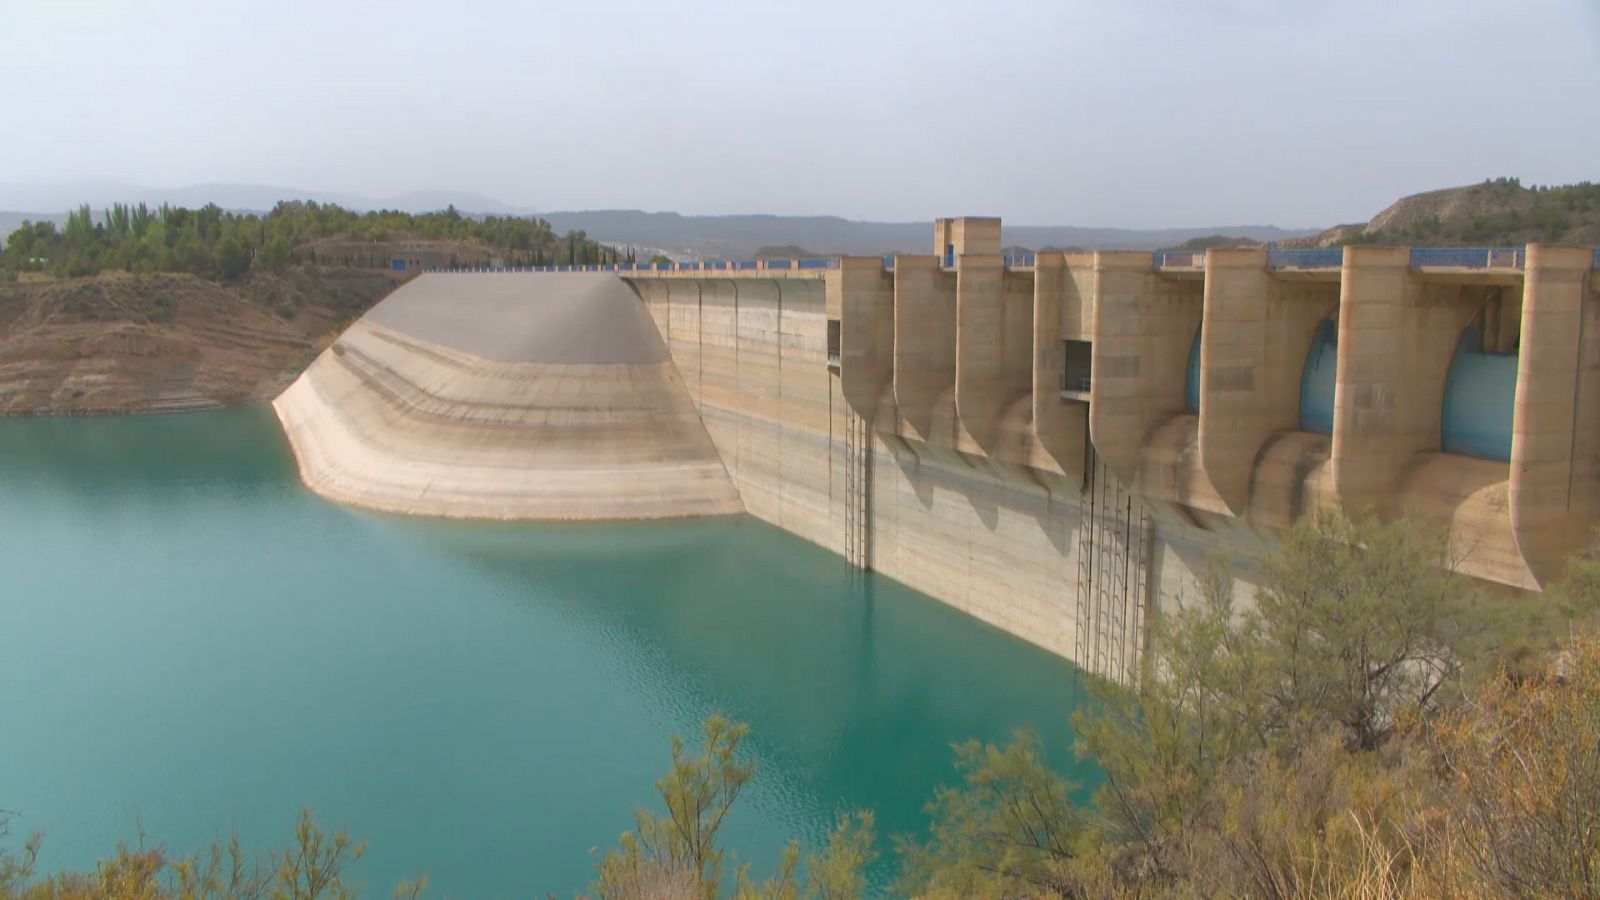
171	308
213	243
1219	241
1499	212
1369	727
120	342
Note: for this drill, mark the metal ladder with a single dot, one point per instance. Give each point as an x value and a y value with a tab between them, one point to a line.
857	490
1113	576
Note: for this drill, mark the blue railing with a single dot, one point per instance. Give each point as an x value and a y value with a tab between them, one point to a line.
1466	257
1179	259
1506	258
1315	258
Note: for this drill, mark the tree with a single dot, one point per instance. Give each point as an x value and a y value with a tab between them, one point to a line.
698	793
1264	752
175	238
1011	830
274	255
1521	767
314	867
1163	747
16	868
1357	622
233	258
193	255
678	854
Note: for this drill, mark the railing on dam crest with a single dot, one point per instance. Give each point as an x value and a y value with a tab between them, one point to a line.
1466	257
1477	258
1306	258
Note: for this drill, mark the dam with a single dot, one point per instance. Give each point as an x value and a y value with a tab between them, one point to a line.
1052	443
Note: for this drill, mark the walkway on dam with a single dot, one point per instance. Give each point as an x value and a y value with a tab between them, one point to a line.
1487	259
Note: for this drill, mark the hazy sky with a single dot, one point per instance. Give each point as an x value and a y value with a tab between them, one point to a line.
1116	112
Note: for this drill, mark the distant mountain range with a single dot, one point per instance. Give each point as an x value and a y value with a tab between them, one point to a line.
730	236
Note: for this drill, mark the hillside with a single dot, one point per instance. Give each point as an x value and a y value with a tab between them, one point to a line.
1500	212
119	342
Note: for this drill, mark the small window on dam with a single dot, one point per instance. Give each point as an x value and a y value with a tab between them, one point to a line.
833	342
1077	364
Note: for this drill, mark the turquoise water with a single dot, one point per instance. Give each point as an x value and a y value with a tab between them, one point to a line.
192	643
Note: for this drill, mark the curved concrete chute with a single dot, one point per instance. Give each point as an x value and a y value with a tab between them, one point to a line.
1143	325
506	396
1256	330
1397	335
1170	468
866	330
1291	478
994	357
1468	498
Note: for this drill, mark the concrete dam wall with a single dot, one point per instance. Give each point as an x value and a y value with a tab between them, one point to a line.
1069	562
1054	445
505	397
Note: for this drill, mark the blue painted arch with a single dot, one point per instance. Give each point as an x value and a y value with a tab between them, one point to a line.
1318	380
1480	399
1191	398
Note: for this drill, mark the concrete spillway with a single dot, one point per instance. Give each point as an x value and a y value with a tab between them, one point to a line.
506	396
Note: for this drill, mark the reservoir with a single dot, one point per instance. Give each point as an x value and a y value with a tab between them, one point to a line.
191	643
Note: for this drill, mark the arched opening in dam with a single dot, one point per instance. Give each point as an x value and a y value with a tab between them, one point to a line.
482	702
1479	399
1319	379
1191	385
